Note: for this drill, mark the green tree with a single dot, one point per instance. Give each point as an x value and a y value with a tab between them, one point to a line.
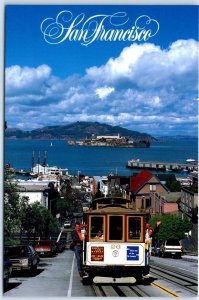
31	219
74	200
62	206
69	202
22	217
172	227
23	210
49	223
39	221
11	206
172	184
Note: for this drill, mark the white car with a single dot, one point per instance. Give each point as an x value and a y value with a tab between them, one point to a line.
170	247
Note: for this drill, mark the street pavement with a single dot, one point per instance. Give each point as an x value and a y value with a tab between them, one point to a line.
58	278
190	257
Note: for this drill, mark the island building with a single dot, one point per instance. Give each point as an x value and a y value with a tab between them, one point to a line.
110	141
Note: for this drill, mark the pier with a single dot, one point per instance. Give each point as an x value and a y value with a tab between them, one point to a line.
162	166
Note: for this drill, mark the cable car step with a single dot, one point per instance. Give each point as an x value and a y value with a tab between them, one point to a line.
100	279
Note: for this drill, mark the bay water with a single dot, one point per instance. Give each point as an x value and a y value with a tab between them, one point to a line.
94	161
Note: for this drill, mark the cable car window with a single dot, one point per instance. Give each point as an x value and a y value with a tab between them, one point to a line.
134	228
97	227
116	228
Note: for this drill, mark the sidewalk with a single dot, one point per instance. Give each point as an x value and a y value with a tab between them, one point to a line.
190	257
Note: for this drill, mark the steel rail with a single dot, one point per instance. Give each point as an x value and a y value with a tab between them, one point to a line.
178	278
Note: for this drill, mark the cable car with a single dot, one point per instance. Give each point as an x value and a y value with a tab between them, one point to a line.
115	246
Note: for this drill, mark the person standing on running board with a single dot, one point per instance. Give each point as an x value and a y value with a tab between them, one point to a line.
78	239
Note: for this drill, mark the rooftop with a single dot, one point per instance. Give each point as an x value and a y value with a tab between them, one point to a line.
171	197
32	188
137	181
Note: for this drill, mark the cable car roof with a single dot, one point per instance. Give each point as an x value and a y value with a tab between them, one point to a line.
110	201
116	205
114	210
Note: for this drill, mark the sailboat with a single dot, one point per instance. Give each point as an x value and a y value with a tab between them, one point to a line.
51	144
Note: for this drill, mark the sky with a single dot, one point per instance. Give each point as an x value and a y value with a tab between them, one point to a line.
55	76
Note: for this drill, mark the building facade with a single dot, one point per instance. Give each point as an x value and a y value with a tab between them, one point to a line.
145	189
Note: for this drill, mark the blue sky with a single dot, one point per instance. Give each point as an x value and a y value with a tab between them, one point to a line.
148	86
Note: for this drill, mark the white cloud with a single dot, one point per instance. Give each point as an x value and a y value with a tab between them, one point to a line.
148	66
151	88
25	80
103	92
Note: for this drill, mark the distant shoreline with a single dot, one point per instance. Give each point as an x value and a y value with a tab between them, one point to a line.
158	139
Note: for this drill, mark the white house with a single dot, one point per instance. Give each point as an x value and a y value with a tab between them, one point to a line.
36	190
35	193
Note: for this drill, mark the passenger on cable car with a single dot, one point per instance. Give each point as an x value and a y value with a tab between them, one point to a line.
78	238
99	235
130	234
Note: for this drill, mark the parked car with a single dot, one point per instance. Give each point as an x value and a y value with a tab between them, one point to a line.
45	248
7	270
22	257
170	247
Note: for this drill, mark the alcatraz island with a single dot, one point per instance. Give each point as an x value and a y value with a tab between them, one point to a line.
86	134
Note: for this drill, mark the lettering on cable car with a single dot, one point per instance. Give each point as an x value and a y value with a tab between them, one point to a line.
97	253
115	246
132	252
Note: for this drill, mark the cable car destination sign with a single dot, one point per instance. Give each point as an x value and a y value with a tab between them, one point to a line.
101	27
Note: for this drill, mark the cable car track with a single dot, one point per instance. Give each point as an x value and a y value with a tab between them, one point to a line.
178	278
112	290
172	269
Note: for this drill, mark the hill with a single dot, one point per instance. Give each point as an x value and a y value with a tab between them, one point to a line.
75	131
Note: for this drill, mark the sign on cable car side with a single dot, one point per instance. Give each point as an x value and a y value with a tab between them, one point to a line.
132	252
97	253
115	254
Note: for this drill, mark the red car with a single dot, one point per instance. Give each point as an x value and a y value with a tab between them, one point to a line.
45	248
